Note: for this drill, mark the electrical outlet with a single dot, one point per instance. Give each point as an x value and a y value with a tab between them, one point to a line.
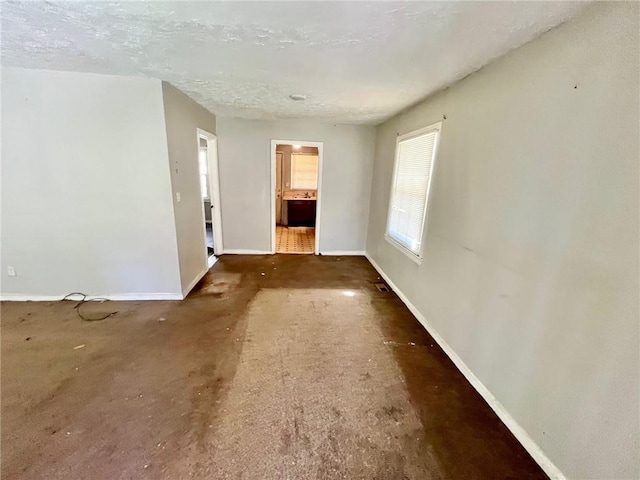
178	197
11	271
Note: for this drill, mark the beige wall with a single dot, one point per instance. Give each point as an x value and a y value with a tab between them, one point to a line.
531	246
245	177
86	194
183	117
97	186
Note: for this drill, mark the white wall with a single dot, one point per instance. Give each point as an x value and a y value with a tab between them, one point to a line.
86	202
245	162
183	117
531	259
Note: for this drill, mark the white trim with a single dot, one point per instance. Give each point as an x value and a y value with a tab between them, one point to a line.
436	127
344	253
19	297
520	433
403	249
320	146
214	189
318	197
247	252
272	193
211	261
193	283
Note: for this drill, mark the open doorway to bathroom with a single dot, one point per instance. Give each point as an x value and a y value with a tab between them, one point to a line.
206	194
210	193
296	183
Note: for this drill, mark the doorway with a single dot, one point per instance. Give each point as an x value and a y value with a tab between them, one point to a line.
296	181
210	194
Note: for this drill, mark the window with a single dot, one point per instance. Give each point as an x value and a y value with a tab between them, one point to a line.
202	164
415	155
304	171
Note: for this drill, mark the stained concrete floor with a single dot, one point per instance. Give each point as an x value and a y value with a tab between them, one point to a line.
305	372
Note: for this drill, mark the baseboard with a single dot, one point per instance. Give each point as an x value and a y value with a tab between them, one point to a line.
520	433
246	252
193	283
124	297
343	253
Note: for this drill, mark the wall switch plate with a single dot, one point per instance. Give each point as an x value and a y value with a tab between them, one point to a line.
178	197
11	271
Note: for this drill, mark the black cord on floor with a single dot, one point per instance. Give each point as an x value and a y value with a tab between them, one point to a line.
82	302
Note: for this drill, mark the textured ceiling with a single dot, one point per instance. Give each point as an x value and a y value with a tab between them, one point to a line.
358	62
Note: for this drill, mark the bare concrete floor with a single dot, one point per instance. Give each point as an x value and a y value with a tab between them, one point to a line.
305	372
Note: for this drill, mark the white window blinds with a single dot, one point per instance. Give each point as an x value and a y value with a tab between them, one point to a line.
304	172
415	153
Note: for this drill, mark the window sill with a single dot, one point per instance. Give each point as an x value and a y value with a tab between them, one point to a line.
416	258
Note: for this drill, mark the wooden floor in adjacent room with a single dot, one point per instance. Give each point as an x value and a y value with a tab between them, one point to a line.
274	367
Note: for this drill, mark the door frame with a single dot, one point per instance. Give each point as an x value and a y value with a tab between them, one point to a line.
279	186
214	190
320	147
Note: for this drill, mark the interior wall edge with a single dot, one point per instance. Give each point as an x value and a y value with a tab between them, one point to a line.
194	282
183	117
170	191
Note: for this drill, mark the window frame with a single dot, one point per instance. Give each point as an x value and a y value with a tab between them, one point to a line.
436	127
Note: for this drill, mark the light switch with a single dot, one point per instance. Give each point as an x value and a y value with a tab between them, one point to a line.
11	271
178	197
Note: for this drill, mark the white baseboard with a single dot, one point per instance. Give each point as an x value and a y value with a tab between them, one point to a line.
246	252
520	433
125	297
343	253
